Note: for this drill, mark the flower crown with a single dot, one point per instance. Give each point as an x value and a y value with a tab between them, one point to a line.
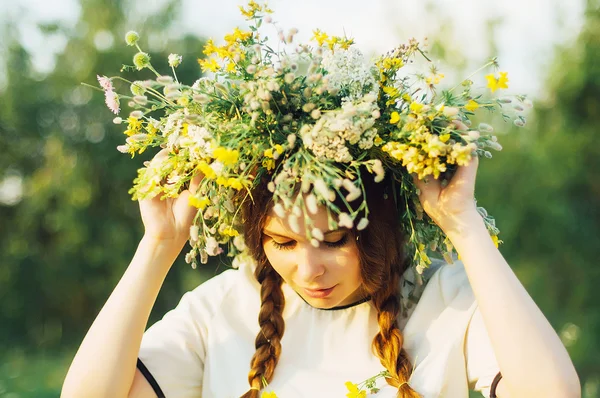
310	119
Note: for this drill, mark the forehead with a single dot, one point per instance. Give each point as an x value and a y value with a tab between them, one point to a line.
277	224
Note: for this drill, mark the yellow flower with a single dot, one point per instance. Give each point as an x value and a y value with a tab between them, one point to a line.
210	48
377	140
354	392
279	148
199	203
471	105
230	67
496	83
235	184
228	157
269	153
444	137
416	107
237	35
435	79
268	163
183	101
269	394
207	171
394	118
133	127
391	91
209	65
229	231
222	181
320	37
495	240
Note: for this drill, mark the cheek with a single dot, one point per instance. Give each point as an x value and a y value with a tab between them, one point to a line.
281	261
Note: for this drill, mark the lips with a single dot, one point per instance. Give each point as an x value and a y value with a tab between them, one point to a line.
318	293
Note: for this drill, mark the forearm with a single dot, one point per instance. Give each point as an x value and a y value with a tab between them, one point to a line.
106	360
532	358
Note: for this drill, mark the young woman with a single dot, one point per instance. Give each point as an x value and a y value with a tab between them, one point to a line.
305	320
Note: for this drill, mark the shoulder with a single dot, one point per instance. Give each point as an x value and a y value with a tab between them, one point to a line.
230	287
436	288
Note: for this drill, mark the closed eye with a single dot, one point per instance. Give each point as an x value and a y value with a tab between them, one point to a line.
292	243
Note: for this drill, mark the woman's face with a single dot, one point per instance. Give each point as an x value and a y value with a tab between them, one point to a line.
326	276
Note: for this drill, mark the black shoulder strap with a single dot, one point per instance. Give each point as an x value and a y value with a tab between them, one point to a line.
494	385
150	378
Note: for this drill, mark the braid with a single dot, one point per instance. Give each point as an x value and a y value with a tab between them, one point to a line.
270	319
388	342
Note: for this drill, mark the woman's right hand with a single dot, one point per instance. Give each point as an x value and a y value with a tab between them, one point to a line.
168	221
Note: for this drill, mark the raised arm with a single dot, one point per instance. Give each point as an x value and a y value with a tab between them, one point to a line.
532	359
105	363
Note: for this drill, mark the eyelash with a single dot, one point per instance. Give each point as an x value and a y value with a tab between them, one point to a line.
289	245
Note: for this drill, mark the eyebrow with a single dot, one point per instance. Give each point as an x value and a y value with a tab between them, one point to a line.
272	233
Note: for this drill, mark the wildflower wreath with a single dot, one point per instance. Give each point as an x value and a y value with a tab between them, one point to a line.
310	118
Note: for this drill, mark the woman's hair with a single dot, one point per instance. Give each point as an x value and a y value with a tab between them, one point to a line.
382	263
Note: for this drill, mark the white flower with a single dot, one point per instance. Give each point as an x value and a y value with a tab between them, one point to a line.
322	189
378	169
362	224
293	221
212	246
345	220
217	167
175	60
278	209
239	242
194	232
317	233
347	69
311	204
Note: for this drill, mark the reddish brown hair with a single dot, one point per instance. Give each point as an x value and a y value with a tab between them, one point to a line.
382	261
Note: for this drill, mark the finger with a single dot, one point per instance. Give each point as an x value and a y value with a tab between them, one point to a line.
195	183
466	175
429	188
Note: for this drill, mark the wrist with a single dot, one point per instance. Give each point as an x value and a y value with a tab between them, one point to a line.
164	249
461	225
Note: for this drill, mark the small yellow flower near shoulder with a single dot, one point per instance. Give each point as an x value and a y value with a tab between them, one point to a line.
495	240
268	394
354	391
394	118
472	105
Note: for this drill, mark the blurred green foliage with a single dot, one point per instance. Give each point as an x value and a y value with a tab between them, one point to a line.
64	246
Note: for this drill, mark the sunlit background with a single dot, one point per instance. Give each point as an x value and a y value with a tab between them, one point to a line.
68	228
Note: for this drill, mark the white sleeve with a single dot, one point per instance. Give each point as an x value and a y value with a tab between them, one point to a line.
173	349
481	360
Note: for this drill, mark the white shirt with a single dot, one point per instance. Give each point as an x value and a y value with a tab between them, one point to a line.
203	347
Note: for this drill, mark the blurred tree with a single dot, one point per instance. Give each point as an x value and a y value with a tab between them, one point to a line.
544	189
66	244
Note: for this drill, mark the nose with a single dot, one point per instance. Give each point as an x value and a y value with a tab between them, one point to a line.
310	266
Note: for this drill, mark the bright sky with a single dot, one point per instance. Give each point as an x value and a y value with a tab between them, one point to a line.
525	38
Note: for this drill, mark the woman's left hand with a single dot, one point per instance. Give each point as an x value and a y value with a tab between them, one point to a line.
450	206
